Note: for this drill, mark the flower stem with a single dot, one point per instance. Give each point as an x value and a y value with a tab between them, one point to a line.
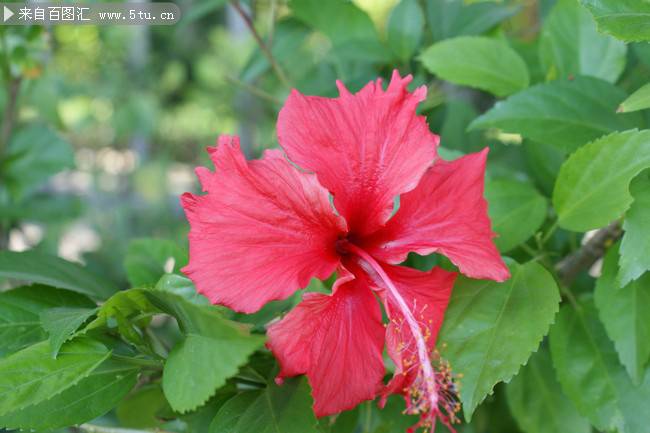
265	50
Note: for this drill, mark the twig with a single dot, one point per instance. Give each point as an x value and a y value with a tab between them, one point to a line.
9	116
93	428
265	50
256	91
569	267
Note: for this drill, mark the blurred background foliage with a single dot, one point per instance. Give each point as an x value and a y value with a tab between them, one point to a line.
102	127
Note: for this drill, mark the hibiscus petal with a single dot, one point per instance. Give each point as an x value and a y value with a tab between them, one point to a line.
446	213
337	341
365	148
261	232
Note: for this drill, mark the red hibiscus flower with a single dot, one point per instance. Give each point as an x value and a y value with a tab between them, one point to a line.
266	227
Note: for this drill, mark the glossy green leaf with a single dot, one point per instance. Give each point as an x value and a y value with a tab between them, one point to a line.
484	63
20	311
570	45
92	397
61	323
34	154
537	401
492	328
275	409
53	271
588	370
404	28
625	312
635	245
183	287
516	209
639	100
566	114
31	376
450	18
200	364
624	19
146	260
592	187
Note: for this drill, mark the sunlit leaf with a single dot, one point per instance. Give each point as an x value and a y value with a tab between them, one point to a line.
624	19
484	63
592	187
635	245
570	45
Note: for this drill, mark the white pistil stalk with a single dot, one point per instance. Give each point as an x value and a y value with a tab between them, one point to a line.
428	386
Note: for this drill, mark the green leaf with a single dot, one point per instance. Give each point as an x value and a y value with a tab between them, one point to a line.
635	245
625	312
571	45
592	187
199	10
191	375
450	18
53	271
34	154
20	311
31	376
623	19
588	370
275	409
492	328
182	287
350	29
92	397
212	351
140	410
516	209
566	114
537	402
453	132
61	323
146	260
586	365
484	63
543	162
639	100
404	28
